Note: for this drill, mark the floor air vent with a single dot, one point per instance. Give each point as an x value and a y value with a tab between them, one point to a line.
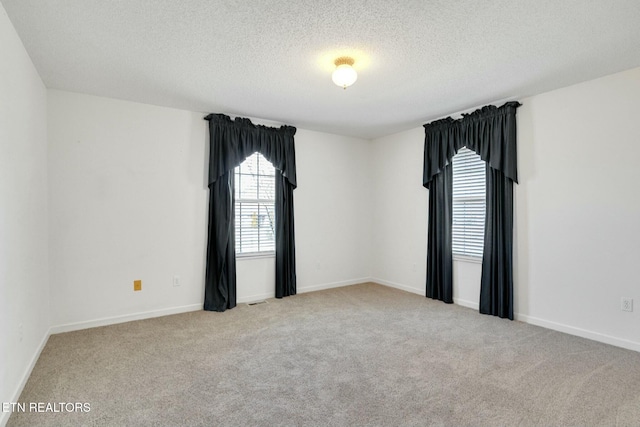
256	303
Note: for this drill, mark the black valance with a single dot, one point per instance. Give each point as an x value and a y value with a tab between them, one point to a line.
489	131
233	140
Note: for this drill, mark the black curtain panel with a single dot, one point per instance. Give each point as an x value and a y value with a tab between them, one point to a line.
231	142
285	245
220	276
490	132
439	244
440	137
496	287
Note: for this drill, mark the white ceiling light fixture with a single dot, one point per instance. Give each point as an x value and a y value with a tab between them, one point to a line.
344	75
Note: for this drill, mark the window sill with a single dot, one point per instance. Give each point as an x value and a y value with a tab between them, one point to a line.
255	255
471	259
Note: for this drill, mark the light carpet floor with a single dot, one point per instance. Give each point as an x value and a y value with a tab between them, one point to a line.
358	355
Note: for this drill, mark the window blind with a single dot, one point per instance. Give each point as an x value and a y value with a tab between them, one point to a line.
255	206
469	199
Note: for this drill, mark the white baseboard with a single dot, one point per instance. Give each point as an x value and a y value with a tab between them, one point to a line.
466	303
254	298
398	286
421	292
313	288
571	330
458	301
105	321
4	416
304	289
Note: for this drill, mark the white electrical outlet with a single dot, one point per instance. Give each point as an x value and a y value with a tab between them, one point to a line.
20	334
626	304
176	281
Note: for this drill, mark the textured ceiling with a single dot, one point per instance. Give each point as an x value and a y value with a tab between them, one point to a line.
272	59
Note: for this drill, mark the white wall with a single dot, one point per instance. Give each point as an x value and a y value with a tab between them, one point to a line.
577	210
333	210
400	205
24	282
129	201
255	278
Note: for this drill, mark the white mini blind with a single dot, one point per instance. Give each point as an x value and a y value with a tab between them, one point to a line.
255	206
469	198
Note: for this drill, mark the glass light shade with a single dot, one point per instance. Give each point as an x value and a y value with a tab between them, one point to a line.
344	75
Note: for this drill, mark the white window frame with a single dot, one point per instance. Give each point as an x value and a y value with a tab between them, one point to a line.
268	201
469	206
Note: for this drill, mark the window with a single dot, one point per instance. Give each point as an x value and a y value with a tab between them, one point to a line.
469	182
255	206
